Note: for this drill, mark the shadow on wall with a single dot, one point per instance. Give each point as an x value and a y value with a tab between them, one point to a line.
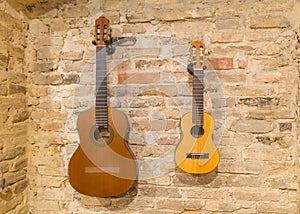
116	204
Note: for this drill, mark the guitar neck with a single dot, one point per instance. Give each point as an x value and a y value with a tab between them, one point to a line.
101	88
198	89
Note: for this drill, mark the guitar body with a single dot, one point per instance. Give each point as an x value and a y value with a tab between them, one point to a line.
102	167
197	155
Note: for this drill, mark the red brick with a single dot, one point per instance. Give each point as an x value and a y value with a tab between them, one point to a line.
138	78
220	63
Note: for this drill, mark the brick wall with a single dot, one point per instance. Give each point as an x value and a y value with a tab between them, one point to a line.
13	112
252	51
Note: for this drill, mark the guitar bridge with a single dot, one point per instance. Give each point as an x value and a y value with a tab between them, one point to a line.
197	155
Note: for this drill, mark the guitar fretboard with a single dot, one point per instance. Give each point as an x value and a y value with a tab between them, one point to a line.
198	88
101	88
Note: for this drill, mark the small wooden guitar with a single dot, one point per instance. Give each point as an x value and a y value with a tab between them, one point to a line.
103	165
197	153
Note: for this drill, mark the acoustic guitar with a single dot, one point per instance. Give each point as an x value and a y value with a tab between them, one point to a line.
196	153
103	165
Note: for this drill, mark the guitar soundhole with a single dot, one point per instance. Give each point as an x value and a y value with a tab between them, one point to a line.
101	132
101	135
197	131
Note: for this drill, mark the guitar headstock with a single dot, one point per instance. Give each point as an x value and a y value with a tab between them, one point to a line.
197	54
102	31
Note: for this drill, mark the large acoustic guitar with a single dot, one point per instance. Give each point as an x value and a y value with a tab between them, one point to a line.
196	153
103	165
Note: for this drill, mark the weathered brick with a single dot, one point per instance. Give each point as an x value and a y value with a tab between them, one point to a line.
47	79
188	27
113	17
267	154
44	66
138	78
49	115
141	125
52	181
3	117
17	78
134	29
71	79
10	205
49	52
46	205
4	167
13	178
269	22
220	63
49	105
252	126
263	195
246	90
228	24
228	37
52	126
19	163
271	140
167	90
205	193
193	204
272	6
74	12
93	201
158	191
267	207
58	25
13	152
38	91
47	40
73	55
167	13
53	194
233	77
3	90
260	101
215	206
50	171
137	17
20	117
20	186
15	89
37	27
150	64
285	127
271	114
173	204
